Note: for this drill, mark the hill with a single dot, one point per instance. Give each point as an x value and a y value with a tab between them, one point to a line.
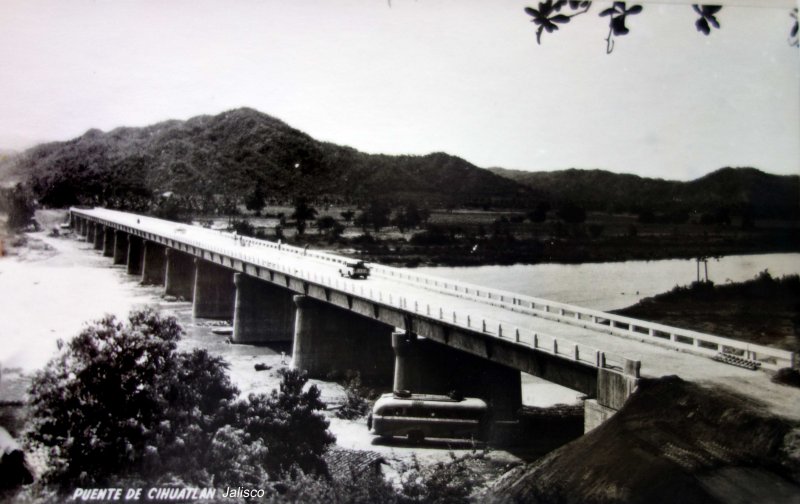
736	189
227	156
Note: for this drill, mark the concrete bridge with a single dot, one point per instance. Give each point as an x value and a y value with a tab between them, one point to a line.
400	328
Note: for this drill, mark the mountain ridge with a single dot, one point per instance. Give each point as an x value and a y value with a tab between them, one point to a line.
229	155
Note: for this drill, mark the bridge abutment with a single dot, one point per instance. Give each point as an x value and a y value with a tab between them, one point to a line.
262	312
153	263
179	275
330	341
425	366
613	389
120	247
134	258
214	292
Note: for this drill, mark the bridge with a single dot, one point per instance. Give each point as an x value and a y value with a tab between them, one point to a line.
409	330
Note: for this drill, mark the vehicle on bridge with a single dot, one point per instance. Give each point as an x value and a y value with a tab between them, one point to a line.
355	269
420	416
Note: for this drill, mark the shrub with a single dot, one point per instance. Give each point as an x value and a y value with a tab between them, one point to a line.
120	403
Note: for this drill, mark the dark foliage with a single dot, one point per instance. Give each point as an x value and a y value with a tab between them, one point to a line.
120	402
741	190
19	205
707	17
212	163
303	212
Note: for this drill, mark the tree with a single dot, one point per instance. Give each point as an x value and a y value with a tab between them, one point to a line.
20	207
290	425
256	200
410	216
120	397
375	214
303	212
572	213
330	226
348	215
120	402
539	214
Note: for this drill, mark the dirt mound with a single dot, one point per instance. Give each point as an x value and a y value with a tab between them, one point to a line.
673	441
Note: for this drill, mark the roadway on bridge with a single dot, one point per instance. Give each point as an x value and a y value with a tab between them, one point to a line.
656	360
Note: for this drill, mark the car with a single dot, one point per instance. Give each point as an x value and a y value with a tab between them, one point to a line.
355	269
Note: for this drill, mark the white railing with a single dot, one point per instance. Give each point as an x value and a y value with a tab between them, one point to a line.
673	337
539	341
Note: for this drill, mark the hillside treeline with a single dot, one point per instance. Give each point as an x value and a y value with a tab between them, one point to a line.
213	164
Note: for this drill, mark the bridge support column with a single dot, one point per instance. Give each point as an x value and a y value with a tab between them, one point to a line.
90	227
134	259
424	366
214	292
263	312
331	341
613	389
99	236
179	274
120	247
79	227
153	263
108	242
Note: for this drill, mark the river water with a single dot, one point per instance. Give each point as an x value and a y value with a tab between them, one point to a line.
614	285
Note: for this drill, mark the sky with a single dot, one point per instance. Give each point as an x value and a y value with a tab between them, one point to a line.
464	77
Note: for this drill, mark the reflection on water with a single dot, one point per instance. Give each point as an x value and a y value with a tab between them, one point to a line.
610	286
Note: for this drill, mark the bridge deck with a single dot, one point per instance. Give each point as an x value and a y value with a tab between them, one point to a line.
419	297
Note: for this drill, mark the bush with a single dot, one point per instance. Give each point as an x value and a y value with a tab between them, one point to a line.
120	403
120	398
355	402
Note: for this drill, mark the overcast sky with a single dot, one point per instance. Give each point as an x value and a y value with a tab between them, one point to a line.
460	76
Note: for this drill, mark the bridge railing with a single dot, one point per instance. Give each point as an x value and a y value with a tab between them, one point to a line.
673	337
681	339
238	248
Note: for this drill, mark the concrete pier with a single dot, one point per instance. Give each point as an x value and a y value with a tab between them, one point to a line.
425	366
153	263
90	227
179	276
214	291
99	236
108	242
263	312
134	259
120	247
329	341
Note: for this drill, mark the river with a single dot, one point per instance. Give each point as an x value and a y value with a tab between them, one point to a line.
614	285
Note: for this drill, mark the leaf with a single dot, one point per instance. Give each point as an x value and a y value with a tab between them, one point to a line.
712	9
561	18
618	26
531	11
636	9
702	26
608	12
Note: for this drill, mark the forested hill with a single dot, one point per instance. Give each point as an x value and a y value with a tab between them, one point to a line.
211	163
736	189
236	153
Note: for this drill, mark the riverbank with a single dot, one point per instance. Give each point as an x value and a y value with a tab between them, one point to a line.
764	310
672	441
